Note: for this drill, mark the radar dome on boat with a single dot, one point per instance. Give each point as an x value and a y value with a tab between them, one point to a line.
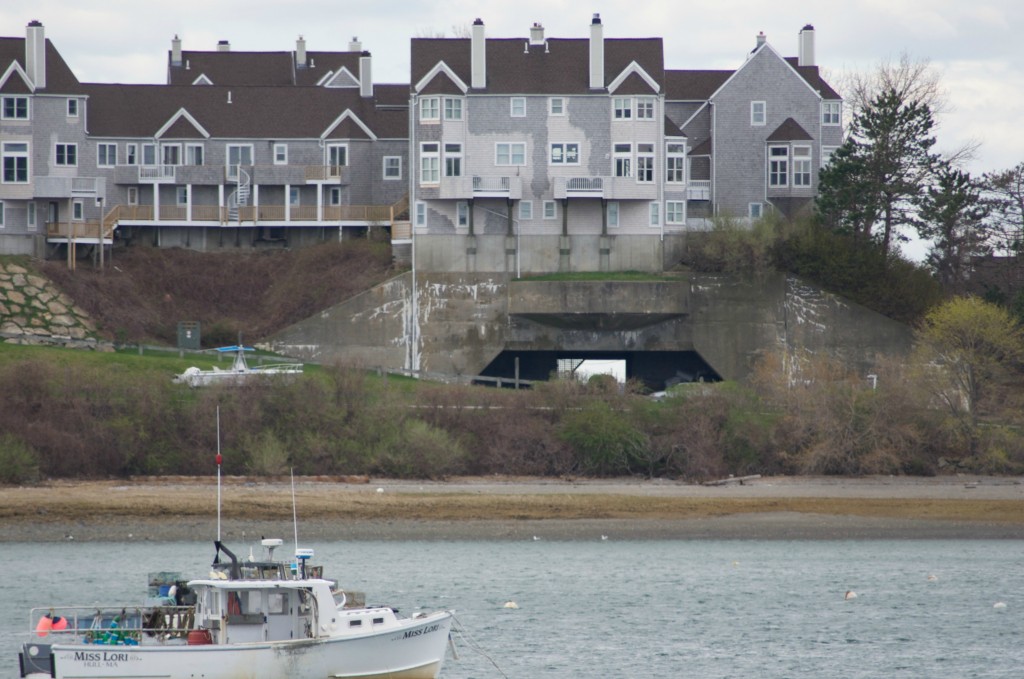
272	542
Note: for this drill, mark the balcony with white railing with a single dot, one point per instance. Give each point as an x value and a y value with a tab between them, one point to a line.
699	189
609	188
69	187
498	187
157	173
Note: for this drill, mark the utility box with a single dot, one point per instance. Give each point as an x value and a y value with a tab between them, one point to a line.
188	335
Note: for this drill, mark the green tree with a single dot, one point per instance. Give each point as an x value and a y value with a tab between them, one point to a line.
873	180
962	345
953	218
1004	198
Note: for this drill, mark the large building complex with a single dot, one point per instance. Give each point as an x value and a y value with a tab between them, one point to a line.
501	154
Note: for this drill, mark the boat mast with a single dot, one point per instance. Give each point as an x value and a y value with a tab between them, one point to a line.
295	519
219	460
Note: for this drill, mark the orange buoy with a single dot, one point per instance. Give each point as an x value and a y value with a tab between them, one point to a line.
60	624
199	637
44	625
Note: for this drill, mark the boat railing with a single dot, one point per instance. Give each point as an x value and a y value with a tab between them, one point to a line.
112	625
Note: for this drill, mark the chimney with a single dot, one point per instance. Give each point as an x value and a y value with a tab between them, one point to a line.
596	53
176	51
223	46
35	54
355	45
536	34
300	52
805	56
478	55
760	40
365	75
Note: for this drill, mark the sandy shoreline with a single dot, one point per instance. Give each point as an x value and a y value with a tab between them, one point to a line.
953	507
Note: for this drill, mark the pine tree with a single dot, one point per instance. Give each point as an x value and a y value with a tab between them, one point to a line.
953	218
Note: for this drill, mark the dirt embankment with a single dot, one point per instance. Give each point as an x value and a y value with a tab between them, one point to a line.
185	508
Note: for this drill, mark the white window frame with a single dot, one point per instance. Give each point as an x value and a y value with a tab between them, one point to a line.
421	214
556	106
73	107
131	153
559	153
675	163
181	195
675	212
30	215
70	154
430	162
15	99
645	164
280	154
13	150
454	164
778	166
525	210
645	108
392	163
462	213
333	151
831	113
77	211
133	195
801	166
453	108
334	196
172	150
191	155
622	108
241	149
622	160
755	211
150	151
510	154
654	214
517	107
550	209
758	113
826	154
613	214
430	110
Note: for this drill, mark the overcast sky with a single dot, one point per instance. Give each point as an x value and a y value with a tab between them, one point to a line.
975	44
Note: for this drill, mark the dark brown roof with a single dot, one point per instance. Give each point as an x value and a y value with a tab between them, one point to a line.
693	85
560	66
635	84
789	130
254	112
59	78
813	77
234	69
671	129
702	149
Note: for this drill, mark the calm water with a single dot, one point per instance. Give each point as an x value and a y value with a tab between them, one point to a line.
631	609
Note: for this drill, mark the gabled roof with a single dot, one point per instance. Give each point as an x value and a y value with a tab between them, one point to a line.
340	78
559	66
702	149
15	80
235	69
672	130
441	79
59	78
789	130
142	111
634	80
182	126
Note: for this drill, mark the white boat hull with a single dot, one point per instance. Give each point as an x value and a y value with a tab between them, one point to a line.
414	651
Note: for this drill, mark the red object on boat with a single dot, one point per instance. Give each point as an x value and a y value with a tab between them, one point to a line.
44	625
60	624
199	637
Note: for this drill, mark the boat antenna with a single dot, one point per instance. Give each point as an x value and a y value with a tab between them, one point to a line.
295	519
219	459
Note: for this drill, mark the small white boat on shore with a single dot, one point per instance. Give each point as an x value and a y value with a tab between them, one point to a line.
239	372
255	619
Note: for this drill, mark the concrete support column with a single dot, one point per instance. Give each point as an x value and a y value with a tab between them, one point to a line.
564	254
511	255
469	207
604	217
471	252
510	231
565	216
605	252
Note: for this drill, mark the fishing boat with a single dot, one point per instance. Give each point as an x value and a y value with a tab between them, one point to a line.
260	619
253	618
239	373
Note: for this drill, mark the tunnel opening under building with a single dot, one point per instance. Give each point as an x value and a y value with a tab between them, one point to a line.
657	370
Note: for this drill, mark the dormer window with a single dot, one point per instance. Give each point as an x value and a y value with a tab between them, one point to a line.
72	108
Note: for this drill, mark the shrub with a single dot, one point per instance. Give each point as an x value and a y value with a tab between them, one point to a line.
604	440
18	462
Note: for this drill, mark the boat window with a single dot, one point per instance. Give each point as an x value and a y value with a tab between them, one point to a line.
355	623
277	603
378	621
